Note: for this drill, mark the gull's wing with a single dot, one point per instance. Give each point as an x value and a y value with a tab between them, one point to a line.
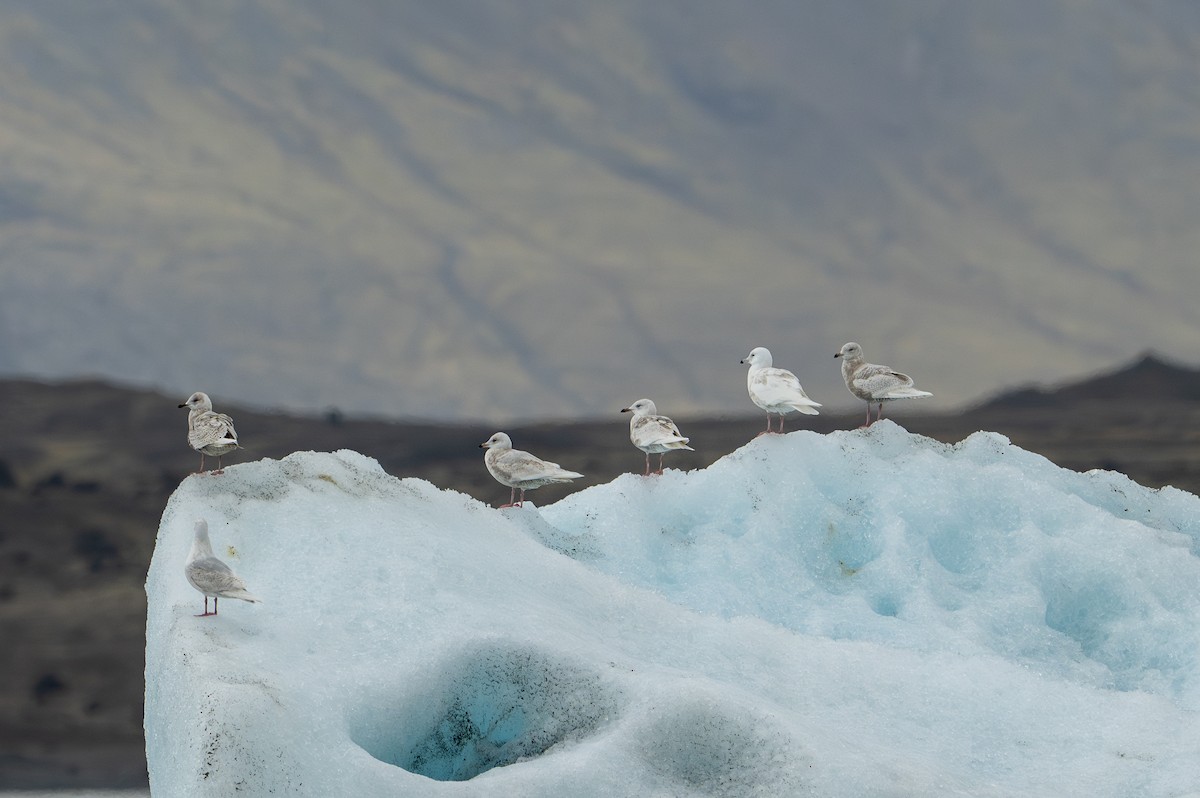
211	428
879	381
210	575
780	387
649	430
521	466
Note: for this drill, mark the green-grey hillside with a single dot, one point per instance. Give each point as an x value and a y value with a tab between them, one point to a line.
564	205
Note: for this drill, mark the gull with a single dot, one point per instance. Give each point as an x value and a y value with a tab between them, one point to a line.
211	576
775	390
652	433
873	383
208	432
520	470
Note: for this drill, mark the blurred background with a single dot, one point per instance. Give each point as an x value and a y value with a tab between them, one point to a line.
397	226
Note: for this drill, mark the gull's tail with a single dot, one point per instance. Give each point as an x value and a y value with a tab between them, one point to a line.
243	595
808	408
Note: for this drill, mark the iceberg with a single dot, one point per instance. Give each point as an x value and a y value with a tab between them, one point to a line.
863	613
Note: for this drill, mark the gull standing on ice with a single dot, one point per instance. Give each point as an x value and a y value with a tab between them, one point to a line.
520	470
652	433
775	390
208	432
873	383
211	576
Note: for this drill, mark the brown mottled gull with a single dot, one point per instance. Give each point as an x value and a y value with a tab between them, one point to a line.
208	432
873	383
211	576
652	433
775	390
520	470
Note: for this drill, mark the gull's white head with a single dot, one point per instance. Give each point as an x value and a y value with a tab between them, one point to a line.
759	357
498	441
201	545
642	407
850	351
198	401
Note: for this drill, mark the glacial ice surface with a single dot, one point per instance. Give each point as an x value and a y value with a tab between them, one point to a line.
865	613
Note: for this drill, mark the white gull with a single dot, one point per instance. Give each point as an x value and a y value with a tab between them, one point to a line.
520	470
775	390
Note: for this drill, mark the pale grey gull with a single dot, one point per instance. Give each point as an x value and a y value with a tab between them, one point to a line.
652	433
520	470
873	383
211	576
209	433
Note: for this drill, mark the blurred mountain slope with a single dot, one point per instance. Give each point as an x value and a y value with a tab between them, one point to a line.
542	209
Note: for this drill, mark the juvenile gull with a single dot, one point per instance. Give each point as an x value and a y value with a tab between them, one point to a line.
652	433
873	383
775	390
208	432
211	576
520	470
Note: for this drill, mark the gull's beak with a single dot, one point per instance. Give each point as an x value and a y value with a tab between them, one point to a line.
839	354
184	404
626	409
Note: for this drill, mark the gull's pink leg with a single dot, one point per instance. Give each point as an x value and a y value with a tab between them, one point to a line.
768	429
660	465
206	612
647	465
512	499
781	423
521	502
879	415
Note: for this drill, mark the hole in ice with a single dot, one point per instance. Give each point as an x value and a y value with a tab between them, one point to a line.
723	751
888	606
851	547
489	708
1085	613
956	550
